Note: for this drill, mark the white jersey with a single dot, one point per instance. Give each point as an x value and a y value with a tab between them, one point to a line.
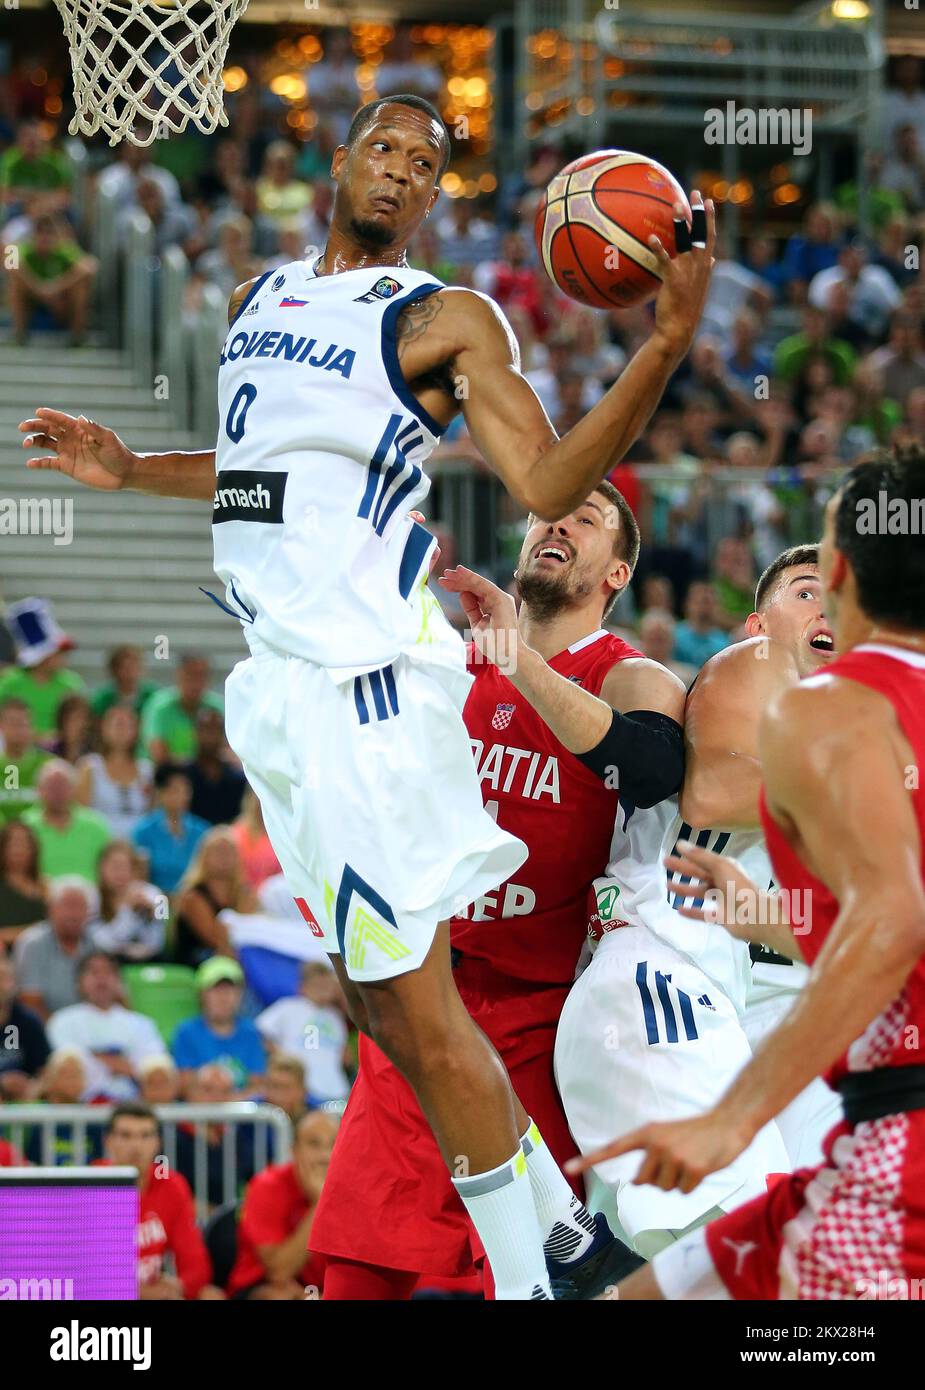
770	972
320	455
641	841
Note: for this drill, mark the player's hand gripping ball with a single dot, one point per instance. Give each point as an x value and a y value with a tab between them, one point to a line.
594	223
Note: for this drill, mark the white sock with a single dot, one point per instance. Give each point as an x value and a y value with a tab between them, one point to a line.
566	1224
500	1203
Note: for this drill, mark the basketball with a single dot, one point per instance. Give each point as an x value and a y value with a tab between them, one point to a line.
594	223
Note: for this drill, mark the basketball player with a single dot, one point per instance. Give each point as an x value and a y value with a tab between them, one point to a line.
788	638
843	811
533	734
336	380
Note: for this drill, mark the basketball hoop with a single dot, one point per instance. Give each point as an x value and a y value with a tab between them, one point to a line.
143	68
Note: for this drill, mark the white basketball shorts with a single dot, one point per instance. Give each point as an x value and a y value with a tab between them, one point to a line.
370	799
645	1036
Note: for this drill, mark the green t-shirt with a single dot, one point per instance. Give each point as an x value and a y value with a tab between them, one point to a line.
50	170
18	777
75	850
166	719
105	696
42	697
792	352
49	266
738	603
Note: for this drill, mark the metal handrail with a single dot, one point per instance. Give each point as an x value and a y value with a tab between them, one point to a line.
15	1119
205	343
171	349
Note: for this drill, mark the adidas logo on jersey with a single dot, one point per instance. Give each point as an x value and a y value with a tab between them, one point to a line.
251	309
382	289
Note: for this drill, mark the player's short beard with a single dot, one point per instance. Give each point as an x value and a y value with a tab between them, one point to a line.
370	233
546	595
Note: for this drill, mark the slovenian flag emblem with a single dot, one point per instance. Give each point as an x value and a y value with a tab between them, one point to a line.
290	302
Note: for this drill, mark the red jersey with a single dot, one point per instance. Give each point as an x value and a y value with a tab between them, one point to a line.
274	1204
167	1222
533	926
888	1041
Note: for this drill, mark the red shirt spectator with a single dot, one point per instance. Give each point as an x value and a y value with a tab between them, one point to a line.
166	1215
279	1205
10	1157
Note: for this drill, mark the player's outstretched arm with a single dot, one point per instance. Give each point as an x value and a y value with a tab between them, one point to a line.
630	736
95	456
551	476
722	775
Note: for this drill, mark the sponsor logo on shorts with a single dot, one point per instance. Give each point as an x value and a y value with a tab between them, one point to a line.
243	495
309	917
502	717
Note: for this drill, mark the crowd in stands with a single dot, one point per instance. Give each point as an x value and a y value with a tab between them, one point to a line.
129	840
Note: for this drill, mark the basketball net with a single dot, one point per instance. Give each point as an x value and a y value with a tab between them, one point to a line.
143	68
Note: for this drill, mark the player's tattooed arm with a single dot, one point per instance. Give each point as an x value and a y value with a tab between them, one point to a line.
238	298
414	320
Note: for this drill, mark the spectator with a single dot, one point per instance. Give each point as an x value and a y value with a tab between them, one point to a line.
904	170
119	181
333	85
73	729
222	179
901	363
63	1081
114	1040
873	293
220	1034
732	289
40	678
310	1025
47	955
22	889
657	641
32	173
734	582
657	592
465	236
51	270
218	784
792	353
213	882
811	251
169	834
258	858
20	761
904	101
126	685
172	224
874	410
25	1049
513	280
286	1086
167	1215
114	782
698	636
759	510
131	922
282	196
232	262
316	227
746	360
399	72
168	726
159	1080
213	1084
70	836
274	1232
